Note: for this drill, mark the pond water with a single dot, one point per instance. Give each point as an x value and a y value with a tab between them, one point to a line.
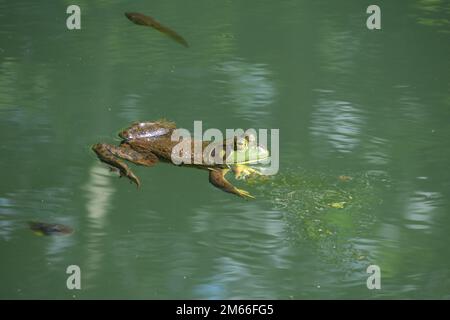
364	153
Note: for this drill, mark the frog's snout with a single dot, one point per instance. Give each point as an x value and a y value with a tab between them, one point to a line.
124	134
98	147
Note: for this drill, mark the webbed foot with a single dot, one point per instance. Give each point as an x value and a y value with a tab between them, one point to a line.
130	175
217	178
243	172
244	193
105	154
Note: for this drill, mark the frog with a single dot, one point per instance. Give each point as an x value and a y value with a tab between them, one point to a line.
49	229
148	143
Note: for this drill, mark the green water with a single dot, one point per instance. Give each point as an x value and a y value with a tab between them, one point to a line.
371	105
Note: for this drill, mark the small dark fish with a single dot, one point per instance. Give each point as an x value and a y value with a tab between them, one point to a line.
49	229
143	20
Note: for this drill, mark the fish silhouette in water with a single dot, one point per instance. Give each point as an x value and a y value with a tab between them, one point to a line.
143	20
49	229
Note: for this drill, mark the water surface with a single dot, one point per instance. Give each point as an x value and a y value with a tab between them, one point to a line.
371	105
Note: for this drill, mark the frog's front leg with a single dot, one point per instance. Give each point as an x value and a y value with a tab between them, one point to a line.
112	155
242	171
217	178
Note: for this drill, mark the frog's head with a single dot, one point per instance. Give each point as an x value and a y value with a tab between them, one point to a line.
245	149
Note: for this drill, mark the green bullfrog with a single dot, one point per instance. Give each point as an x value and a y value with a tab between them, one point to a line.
147	143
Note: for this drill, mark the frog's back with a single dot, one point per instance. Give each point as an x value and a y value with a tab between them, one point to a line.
148	130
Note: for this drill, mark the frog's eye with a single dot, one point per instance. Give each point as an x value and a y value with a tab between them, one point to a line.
251	137
240	143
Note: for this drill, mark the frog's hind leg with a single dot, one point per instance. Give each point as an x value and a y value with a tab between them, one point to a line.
124	151
217	178
111	155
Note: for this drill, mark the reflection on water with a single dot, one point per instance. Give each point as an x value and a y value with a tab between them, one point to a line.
8	69
98	193
339	50
377	151
420	209
232	240
433	13
249	86
58	245
6	219
339	124
129	108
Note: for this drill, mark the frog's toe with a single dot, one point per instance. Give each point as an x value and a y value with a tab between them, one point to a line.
135	180
244	173
244	194
241	176
254	172
130	175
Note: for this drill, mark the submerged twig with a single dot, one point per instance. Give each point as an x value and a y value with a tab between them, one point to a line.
143	20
